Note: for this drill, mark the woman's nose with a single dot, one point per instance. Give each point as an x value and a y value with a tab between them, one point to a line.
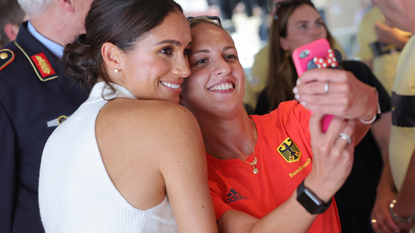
222	68
182	67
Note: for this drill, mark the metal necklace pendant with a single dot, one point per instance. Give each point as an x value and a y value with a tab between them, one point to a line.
253	164
255	161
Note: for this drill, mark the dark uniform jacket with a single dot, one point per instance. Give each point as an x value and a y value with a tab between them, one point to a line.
35	97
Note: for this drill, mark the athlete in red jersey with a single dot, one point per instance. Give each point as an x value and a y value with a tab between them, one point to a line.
256	163
234	186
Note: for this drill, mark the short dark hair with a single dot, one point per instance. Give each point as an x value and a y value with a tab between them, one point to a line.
122	23
10	12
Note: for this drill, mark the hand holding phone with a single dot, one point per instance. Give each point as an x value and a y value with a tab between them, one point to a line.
316	54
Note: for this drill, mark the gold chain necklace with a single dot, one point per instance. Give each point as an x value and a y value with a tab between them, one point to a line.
253	164
255	161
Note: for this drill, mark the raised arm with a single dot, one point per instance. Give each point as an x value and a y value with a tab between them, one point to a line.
339	93
332	162
389	35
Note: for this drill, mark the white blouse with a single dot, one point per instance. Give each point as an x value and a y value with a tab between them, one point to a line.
75	192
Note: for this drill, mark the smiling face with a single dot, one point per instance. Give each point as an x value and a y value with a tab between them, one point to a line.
304	25
157	65
217	80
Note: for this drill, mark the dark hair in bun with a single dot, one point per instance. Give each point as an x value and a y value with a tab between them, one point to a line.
119	22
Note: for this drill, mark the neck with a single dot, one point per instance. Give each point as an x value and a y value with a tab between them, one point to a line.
228	137
54	24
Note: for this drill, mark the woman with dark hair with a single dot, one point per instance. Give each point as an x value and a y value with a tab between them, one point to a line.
130	159
280	58
298	23
278	172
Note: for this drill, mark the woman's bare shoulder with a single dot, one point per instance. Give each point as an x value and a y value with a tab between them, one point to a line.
149	121
148	111
146	143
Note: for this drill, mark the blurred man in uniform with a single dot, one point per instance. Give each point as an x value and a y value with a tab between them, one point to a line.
11	16
35	97
395	212
379	46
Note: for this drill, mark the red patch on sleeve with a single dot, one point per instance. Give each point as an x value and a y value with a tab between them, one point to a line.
43	65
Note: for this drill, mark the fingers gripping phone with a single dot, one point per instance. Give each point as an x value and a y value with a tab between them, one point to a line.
316	54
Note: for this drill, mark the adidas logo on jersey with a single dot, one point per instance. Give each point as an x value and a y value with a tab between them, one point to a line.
234	196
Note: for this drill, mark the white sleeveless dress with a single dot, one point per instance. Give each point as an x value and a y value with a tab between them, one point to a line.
75	192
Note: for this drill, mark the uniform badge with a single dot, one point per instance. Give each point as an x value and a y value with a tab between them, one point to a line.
6	57
289	151
43	65
57	121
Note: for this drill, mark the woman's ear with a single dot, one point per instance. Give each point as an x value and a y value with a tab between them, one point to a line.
111	55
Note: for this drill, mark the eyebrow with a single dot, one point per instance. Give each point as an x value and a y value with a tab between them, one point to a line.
229	47
306	21
207	51
201	51
173	42
301	22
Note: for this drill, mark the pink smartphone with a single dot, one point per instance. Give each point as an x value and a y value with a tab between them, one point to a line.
315	55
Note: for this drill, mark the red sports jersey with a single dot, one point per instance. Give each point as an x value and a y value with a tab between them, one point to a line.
284	159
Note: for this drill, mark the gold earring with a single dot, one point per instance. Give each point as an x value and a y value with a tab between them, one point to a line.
287	54
116	70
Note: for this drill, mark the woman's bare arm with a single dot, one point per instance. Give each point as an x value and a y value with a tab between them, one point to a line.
332	162
153	147
184	170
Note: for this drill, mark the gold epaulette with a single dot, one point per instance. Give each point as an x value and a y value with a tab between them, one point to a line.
6	57
40	64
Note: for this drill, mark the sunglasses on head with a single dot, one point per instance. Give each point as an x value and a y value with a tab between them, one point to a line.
280	4
215	19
